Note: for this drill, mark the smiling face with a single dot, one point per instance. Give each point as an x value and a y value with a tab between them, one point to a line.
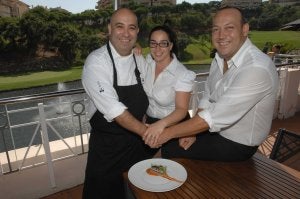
160	47
123	30
228	32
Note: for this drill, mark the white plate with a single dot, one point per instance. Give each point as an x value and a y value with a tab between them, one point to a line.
137	175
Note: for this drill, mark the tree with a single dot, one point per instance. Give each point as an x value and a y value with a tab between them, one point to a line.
32	26
203	8
67	41
193	24
182	42
10	31
184	7
59	15
268	22
160	10
50	35
146	24
141	12
88	43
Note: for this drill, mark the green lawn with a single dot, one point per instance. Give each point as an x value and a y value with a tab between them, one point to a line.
200	54
39	78
289	39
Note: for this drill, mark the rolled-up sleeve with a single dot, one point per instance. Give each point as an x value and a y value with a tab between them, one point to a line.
204	100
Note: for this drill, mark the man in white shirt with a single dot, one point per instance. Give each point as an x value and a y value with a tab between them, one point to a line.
235	114
117	104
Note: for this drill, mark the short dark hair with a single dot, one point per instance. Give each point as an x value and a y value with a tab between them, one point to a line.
236	8
171	34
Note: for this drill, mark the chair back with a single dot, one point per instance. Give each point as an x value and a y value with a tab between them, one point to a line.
287	144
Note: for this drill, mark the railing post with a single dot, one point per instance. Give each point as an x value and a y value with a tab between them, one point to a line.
78	109
2	128
45	141
283	72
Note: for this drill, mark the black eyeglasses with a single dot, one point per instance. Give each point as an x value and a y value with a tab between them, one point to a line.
162	44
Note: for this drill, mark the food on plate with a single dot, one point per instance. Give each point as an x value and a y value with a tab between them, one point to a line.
159	170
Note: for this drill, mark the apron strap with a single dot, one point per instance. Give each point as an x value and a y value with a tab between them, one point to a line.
136	71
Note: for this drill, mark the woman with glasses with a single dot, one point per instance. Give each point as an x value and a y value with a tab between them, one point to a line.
168	84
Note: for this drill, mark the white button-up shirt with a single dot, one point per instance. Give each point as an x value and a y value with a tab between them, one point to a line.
161	92
240	104
97	80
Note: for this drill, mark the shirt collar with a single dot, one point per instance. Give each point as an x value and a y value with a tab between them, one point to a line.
238	58
171	68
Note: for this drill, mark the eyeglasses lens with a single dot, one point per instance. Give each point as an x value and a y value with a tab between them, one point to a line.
163	44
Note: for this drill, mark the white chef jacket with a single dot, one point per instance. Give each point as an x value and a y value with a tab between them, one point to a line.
240	104
97	80
161	92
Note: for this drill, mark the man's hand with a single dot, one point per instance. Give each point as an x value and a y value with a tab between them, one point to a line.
186	142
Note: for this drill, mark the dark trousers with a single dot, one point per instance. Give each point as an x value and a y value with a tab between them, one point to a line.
209	146
108	187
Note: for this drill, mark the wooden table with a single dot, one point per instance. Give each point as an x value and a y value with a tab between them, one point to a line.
258	177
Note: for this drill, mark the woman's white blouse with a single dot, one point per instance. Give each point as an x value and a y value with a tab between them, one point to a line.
161	92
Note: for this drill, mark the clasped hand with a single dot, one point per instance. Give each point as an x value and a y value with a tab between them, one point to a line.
152	134
155	136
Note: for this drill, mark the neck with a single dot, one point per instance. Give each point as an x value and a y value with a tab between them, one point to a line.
160	66
164	63
121	52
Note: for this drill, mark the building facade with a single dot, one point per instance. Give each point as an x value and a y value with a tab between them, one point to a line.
12	8
242	3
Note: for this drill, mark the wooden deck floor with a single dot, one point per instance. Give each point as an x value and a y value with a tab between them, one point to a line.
292	124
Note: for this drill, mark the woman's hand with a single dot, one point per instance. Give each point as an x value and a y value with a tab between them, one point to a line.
152	133
137	50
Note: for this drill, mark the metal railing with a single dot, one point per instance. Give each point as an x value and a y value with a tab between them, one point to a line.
286	60
42	128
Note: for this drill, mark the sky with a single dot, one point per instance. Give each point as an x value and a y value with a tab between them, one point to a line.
77	6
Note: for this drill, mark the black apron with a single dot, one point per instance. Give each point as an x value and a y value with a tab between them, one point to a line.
112	148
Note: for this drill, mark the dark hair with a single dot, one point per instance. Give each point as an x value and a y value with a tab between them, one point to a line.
236	8
171	34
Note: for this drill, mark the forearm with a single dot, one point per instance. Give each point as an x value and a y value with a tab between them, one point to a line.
182	100
187	128
176	116
129	122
